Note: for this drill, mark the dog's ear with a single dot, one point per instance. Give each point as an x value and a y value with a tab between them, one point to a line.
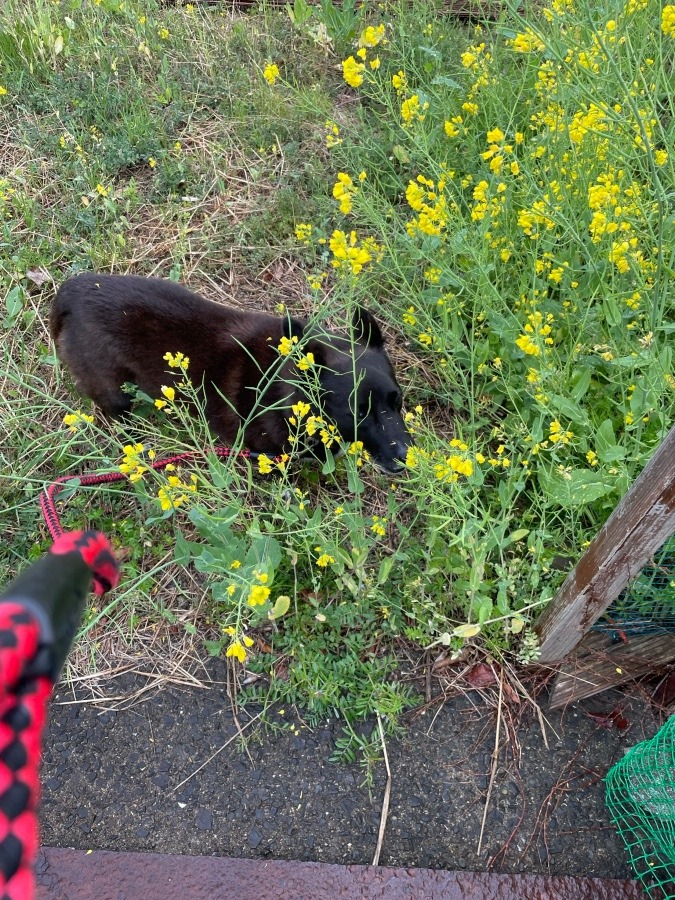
293	327
366	329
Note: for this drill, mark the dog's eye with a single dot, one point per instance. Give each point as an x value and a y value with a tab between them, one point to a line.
396	401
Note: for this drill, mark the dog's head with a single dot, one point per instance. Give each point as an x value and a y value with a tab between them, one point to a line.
359	391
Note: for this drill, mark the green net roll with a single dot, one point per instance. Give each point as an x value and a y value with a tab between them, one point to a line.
640	796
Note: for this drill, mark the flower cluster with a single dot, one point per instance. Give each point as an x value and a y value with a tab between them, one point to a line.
176	492
177	361
344	191
271	73
427	199
132	464
349	254
76	419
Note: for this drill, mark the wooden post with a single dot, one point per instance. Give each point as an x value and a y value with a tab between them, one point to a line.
640	524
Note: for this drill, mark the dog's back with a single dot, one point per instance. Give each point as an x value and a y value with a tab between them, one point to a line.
114	329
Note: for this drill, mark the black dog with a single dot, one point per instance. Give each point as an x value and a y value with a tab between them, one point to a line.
112	329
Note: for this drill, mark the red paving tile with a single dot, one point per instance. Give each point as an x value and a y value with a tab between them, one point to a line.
101	875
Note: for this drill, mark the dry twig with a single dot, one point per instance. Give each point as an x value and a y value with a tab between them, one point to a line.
387	795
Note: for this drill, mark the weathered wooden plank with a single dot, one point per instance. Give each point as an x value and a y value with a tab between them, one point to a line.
593	669
640	524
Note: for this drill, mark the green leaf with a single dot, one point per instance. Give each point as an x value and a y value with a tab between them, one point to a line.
385	569
329	466
401	154
518	535
611	310
605	444
280	608
576	488
568	409
354	483
467	631
582	383
446	81
14	303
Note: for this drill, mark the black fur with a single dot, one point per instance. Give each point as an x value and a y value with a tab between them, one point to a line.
112	329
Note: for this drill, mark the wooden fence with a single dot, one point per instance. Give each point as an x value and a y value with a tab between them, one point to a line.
641	523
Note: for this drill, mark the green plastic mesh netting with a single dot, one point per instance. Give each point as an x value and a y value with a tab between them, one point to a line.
640	795
647	605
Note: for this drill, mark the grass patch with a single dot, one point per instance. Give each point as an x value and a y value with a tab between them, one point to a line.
501	195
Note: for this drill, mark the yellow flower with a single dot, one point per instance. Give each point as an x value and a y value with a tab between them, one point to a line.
471	108
450	129
169	393
286	345
271	73
375	63
300	409
73	419
265	464
344	190
177	360
303	232
527	42
371	36
325	560
258	595
378	526
332	134
102	191
668	21
557	435
348	254
592	458
3	91
494	136
305	362
399	82
527	345
236	649
661	156
413	109
362	53
352	72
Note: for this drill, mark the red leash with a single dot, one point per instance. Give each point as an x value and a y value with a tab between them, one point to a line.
39	615
48	497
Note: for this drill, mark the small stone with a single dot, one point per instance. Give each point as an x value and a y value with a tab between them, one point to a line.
255	836
204	820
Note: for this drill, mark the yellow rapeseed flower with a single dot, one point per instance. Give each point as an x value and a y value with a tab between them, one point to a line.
286	345
258	595
305	362
371	36
352	72
265	464
271	73
668	21
237	651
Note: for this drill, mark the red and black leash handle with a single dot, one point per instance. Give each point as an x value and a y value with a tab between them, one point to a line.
39	616
48	496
